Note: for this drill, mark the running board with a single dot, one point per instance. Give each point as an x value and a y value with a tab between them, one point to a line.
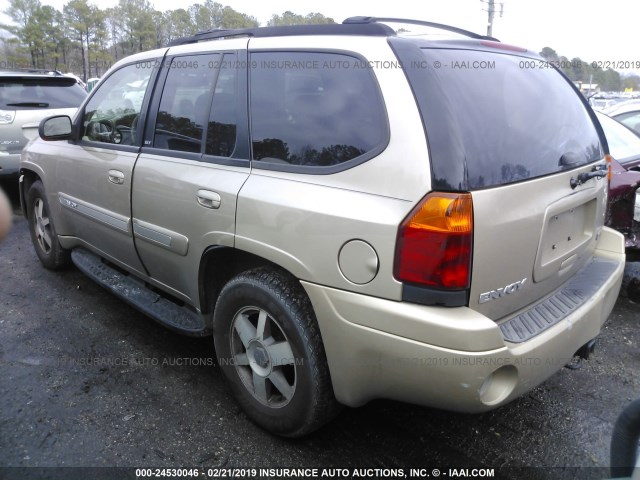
135	293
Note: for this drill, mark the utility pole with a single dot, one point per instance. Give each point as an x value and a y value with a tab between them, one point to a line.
491	10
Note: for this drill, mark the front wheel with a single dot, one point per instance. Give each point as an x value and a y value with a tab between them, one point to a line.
269	347
43	232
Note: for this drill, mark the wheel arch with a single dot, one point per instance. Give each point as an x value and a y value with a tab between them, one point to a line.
219	264
27	178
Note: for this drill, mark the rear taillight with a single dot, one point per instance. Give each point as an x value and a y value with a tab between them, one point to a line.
434	243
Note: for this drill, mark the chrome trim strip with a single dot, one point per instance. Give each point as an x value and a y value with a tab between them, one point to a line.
161	237
153	235
106	217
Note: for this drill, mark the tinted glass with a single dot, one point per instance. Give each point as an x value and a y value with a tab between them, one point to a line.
185	103
29	93
221	133
507	119
313	109
111	115
624	145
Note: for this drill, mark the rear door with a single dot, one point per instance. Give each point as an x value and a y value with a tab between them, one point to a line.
192	166
514	132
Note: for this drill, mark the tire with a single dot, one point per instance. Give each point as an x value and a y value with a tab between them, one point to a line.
633	290
269	347
624	441
43	232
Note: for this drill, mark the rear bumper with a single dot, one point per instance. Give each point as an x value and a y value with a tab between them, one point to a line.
454	359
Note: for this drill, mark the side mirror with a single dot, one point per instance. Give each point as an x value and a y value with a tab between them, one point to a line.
57	127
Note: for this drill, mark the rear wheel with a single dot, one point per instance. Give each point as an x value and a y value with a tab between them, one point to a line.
269	347
43	232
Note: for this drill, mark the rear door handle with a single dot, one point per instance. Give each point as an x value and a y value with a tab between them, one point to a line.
116	176
208	199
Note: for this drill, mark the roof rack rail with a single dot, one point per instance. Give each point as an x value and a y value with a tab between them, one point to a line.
440	26
368	29
213	34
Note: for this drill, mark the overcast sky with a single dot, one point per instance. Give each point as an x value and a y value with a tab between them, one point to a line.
603	31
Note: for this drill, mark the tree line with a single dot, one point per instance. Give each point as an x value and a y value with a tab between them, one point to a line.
578	70
87	40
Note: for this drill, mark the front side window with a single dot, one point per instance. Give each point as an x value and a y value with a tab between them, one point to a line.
313	109
111	116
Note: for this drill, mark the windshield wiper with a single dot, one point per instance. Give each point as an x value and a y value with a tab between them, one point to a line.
28	104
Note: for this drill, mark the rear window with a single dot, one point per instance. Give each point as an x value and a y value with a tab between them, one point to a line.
493	119
37	93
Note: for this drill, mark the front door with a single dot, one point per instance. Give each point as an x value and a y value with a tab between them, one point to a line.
94	176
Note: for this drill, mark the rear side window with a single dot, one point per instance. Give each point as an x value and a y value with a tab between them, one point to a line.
29	93
493	119
314	109
186	100
222	126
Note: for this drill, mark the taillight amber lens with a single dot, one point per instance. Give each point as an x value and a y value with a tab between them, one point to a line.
434	243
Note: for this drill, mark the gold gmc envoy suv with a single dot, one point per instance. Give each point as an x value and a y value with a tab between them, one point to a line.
352	213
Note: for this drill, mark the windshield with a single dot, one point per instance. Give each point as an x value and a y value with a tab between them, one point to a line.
624	144
25	93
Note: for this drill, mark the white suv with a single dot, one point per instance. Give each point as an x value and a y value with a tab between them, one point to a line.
353	213
26	97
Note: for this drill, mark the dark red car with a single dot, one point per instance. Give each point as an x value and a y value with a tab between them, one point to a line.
623	211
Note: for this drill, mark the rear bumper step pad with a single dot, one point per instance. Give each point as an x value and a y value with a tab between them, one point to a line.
553	309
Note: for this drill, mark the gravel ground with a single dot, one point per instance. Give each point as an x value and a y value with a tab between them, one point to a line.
86	381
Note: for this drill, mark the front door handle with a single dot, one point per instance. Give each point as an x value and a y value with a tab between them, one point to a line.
208	199
116	176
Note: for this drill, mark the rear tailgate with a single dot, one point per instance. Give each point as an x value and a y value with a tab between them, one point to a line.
529	238
514	132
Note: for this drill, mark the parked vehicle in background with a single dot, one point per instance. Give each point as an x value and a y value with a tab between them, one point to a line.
76	78
601	103
26	97
627	113
347	229
134	93
623	210
92	82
